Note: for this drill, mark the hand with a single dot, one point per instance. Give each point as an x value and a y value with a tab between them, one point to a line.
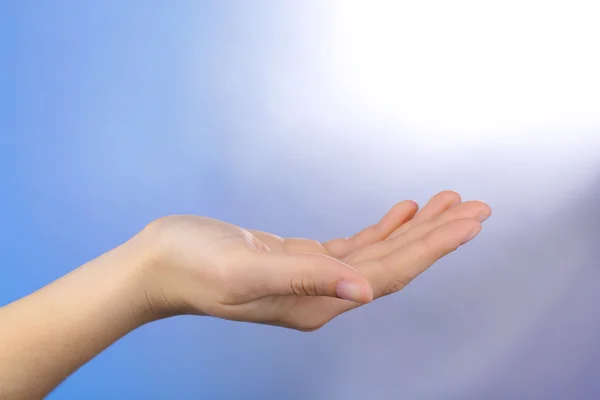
198	265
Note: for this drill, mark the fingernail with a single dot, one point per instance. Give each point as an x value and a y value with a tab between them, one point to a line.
482	216
472	233
350	291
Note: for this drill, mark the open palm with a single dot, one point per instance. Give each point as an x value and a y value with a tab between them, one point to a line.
247	275
390	254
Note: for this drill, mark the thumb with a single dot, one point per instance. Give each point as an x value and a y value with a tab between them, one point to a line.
312	275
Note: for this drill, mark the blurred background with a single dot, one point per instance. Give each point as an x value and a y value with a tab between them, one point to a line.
311	119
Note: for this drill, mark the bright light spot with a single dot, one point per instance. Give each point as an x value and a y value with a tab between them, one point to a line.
462	71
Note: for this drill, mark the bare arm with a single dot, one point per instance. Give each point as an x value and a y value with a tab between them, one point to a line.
47	335
195	265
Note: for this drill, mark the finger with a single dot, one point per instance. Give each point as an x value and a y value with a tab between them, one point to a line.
308	275
394	218
437	205
393	272
470	209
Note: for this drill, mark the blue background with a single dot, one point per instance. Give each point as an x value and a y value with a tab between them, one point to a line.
115	113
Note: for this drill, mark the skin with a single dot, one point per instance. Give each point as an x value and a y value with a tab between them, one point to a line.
195	265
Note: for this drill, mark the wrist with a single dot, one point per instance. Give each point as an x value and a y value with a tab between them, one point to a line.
172	277
120	275
147	278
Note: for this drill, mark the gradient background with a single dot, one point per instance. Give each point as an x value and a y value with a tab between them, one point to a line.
311	119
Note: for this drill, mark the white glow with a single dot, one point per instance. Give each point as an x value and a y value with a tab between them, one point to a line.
499	103
469	70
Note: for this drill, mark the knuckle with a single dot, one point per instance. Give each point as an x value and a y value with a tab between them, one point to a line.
303	286
431	247
407	226
374	229
397	285
353	258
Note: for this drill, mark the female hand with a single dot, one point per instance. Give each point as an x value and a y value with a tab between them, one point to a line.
197	265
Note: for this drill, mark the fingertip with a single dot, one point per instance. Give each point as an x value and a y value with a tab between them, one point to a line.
485	211
412	205
368	292
450	196
356	291
471	209
472	233
438	204
400	210
464	224
353	285
483	215
455	233
487	207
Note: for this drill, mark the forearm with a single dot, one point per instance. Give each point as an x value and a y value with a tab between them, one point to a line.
47	335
